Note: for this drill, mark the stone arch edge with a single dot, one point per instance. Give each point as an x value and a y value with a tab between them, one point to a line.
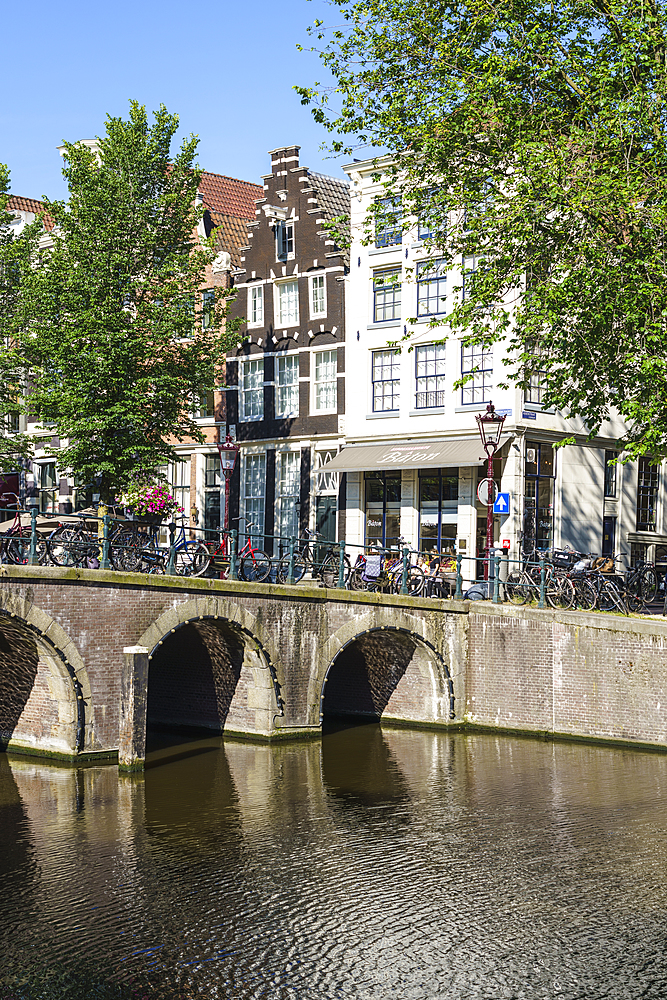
354	629
220	609
59	645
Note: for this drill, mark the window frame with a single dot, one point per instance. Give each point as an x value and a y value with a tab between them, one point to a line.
294	363
255	317
473	387
250	459
311	294
650	491
207	313
277	310
388	230
285	240
331	381
379	288
243	391
438	278
610	475
440	358
395	393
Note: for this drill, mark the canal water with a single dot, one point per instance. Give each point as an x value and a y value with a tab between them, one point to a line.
373	863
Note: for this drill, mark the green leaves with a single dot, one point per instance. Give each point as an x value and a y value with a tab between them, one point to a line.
113	327
544	125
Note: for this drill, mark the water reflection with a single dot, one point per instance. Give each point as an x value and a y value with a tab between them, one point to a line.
375	862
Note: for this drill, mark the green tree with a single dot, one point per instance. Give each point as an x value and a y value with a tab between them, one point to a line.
534	135
112	314
16	255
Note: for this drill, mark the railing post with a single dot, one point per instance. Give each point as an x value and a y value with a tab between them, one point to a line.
233	563
543	583
341	565
458	596
404	573
496	580
32	555
290	565
105	542
171	562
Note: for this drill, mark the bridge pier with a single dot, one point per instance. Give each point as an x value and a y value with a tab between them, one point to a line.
132	709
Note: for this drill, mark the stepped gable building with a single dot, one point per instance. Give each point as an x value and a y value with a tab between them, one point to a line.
287	398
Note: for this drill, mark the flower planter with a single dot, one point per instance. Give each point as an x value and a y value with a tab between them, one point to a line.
144	518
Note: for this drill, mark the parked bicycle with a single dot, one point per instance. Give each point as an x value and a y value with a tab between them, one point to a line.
326	567
384	572
15	541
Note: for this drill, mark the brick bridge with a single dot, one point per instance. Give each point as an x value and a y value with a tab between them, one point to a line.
88	658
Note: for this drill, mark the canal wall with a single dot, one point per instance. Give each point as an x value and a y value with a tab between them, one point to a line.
87	657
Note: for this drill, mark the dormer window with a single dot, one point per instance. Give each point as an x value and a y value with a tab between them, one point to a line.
285	240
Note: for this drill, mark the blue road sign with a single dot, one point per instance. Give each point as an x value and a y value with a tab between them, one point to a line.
502	504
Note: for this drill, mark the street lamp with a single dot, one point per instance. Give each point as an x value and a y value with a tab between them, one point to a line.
228	451
490	428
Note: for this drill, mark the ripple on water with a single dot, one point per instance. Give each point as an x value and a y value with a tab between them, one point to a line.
375	863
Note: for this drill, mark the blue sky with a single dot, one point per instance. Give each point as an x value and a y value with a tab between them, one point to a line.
226	68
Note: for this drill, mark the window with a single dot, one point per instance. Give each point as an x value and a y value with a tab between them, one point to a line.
386	380
325	481
256	305
539	493
185	317
429	217
438	500
431	287
207	308
212	483
288	476
387	295
471	266
12	422
326	381
287	303
610	473
287	386
48	492
285	240
647	495
478	361
206	405
318	295
253	487
430	372
180	484
537	379
383	508
388	222
251	395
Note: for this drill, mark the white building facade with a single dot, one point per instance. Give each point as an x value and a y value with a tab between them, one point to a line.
413	457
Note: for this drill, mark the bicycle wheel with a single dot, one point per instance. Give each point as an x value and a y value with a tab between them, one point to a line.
192	558
282	572
17	548
416	580
356	579
330	569
610	598
68	545
649	585
255	568
125	550
517	589
560	592
585	594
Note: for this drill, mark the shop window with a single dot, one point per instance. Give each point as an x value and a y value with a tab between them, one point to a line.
647	495
539	497
383	508
438	499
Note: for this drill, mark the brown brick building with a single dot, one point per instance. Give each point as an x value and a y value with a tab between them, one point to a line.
285	403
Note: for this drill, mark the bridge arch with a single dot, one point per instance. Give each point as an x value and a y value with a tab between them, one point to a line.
384	666
45	696
211	667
